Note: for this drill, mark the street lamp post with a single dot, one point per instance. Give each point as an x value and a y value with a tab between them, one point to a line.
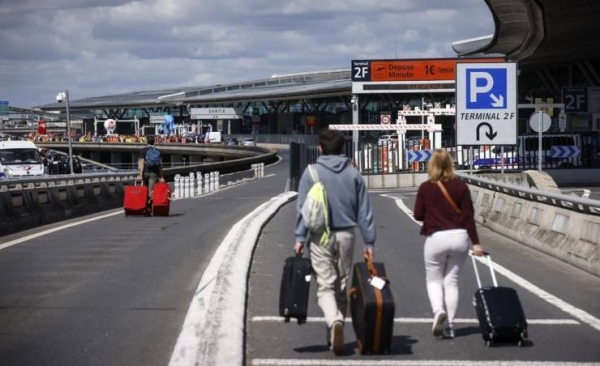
59	98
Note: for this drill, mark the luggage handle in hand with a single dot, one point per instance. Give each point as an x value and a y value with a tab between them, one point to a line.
490	264
371	268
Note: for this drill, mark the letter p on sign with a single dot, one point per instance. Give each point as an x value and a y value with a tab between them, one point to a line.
481	83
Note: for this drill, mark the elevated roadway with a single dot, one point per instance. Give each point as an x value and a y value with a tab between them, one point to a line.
111	290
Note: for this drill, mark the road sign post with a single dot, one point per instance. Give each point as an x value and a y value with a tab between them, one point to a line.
486	104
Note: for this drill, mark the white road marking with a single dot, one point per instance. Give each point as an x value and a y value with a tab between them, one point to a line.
270	175
583	316
315	319
213	329
55	229
345	362
403	207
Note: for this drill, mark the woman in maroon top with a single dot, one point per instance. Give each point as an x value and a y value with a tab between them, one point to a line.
449	224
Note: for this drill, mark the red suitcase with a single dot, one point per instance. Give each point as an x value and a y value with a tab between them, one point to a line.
135	200
161	199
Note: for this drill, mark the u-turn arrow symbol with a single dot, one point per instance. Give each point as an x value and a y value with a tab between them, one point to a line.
490	134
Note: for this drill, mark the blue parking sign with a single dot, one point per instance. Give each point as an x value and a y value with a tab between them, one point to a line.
486	88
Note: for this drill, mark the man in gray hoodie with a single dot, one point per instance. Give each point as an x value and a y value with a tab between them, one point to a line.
349	207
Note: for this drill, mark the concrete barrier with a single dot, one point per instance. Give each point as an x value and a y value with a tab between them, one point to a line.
27	204
566	234
569	235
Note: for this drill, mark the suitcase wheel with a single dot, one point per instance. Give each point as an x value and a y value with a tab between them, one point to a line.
301	321
488	343
287	319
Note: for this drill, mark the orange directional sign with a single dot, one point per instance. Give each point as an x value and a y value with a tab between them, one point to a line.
410	70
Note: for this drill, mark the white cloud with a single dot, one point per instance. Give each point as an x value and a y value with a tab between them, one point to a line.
100	47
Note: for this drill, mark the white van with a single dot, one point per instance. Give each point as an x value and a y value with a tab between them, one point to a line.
20	159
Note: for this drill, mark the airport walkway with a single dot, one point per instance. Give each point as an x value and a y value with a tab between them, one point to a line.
116	290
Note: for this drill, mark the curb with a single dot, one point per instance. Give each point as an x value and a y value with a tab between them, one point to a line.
213	329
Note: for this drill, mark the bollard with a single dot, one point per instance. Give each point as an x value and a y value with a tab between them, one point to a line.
199	180
206	183
212	181
192	184
262	170
217	186
254	167
186	183
177	185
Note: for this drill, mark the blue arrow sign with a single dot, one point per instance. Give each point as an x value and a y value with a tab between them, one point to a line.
564	151
418	155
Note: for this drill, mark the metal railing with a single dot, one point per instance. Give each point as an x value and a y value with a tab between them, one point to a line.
565	201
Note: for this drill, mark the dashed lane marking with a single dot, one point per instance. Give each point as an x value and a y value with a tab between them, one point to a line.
279	319
582	315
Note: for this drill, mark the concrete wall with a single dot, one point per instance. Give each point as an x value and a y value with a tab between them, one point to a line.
567	235
29	205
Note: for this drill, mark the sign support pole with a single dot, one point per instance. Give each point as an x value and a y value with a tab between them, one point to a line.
539	142
355	121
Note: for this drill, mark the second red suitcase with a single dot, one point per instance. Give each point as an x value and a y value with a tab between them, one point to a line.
372	307
134	201
161	199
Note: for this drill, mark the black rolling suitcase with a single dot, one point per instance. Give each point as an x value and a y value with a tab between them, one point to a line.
294	291
501	316
372	308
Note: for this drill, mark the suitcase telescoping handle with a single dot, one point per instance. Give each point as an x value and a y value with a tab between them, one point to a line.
490	264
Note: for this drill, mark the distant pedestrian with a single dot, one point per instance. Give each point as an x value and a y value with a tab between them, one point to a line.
449	224
349	207
150	169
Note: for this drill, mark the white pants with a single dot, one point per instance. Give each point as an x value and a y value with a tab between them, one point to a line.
332	265
445	253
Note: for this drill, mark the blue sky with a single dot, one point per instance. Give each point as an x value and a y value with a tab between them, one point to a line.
102	47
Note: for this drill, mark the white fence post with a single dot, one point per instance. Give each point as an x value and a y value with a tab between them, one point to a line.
206	183
177	186
186	187
199	180
217	185
192	185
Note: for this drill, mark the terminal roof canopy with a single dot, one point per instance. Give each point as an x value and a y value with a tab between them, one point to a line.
548	32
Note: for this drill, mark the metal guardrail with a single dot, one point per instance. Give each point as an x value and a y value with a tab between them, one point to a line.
568	202
64	180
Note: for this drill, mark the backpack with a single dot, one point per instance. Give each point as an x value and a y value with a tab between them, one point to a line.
315	210
152	157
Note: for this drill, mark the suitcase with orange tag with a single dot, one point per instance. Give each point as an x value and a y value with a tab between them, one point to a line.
161	199
372	307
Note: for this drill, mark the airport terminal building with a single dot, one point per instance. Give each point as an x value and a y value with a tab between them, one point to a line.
553	45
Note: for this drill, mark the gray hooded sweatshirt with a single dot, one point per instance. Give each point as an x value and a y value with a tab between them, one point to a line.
347	195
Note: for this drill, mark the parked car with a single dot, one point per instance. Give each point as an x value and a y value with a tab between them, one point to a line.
249	142
231	141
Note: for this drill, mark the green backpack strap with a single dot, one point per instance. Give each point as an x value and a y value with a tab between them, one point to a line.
314	175
326	236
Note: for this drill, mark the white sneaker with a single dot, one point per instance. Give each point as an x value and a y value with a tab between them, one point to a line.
438	323
448	331
337	338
